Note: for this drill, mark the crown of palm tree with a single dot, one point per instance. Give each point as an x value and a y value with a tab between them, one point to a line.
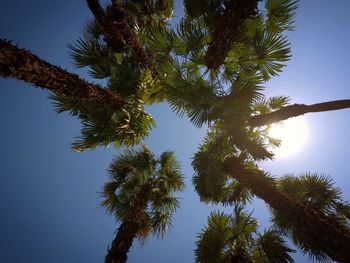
236	239
134	170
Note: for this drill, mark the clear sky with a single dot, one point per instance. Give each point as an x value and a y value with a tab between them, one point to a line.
49	200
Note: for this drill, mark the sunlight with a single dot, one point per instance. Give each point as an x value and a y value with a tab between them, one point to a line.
293	134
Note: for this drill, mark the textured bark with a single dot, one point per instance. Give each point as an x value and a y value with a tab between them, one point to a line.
114	38
296	110
117	31
318	230
22	64
228	30
127	231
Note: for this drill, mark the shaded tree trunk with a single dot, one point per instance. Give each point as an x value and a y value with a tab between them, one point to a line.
112	37
127	231
23	65
228	30
296	110
318	231
117	31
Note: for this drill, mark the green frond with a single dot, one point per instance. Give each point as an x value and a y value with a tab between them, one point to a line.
314	255
168	163
209	180
236	193
91	30
278	102
110	200
160	40
274	247
212	240
280	15
127	127
271	51
342	209
190	95
243	225
234	238
92	54
267	105
131	161
161	223
315	190
145	228
191	37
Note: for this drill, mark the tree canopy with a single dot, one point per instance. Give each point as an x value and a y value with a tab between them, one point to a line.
211	66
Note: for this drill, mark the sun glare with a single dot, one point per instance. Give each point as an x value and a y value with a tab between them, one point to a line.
293	134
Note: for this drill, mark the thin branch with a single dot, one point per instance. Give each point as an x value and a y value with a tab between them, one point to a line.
296	110
21	64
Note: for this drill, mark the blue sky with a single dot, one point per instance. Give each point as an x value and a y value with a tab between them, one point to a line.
49	198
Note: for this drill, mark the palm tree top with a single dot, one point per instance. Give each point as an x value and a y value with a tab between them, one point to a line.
234	238
139	170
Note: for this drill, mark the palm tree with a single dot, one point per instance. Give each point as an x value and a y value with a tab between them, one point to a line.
221	167
113	48
140	196
319	193
235	238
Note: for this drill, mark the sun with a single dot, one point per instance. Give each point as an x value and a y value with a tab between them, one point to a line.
293	134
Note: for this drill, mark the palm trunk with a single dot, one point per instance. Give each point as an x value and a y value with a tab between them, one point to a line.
228	30
296	110
117	31
127	231
22	64
122	243
114	37
318	231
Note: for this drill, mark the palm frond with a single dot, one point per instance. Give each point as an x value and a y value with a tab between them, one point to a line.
280	15
271	51
274	247
212	240
110	199
161	223
234	238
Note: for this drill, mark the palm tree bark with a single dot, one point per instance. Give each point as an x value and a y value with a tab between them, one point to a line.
296	110
117	31
228	30
127	231
23	65
319	231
